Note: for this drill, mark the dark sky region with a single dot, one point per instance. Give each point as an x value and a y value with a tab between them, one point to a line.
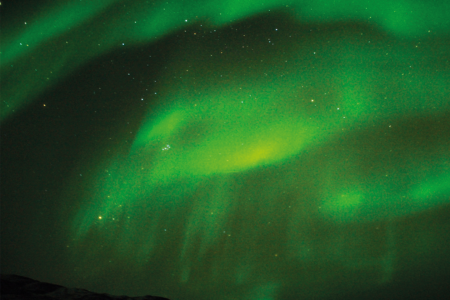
254	150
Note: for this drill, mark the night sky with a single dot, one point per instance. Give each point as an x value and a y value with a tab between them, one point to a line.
236	149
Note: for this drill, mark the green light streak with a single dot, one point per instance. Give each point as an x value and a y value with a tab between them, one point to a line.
432	191
201	152
47	24
62	37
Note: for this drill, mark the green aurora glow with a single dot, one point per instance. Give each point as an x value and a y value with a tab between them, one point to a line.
315	134
58	38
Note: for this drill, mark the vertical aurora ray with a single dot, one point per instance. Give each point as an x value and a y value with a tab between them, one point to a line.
268	151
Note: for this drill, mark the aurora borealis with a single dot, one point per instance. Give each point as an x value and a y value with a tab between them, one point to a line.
227	150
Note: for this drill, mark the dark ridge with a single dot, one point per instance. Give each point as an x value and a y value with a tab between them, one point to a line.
23	288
